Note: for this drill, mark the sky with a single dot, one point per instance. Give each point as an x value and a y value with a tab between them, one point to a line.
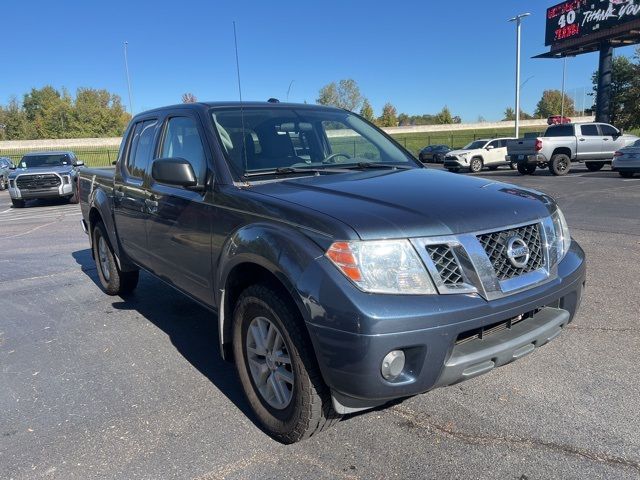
418	55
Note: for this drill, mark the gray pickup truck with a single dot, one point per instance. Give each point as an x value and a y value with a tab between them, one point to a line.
41	175
591	143
341	272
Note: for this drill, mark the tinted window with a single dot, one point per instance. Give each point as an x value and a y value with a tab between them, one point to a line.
590	130
182	140
609	131
559	131
494	144
141	148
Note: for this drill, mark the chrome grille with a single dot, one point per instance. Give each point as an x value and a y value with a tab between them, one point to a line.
446	264
495	245
36	182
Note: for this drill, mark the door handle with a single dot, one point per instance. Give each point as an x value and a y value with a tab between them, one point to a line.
605	139
582	139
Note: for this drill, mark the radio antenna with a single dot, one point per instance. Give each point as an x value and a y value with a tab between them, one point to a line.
244	141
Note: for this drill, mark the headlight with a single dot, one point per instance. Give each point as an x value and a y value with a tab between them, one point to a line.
563	237
382	266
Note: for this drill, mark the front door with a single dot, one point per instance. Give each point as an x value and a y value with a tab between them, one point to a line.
131	190
589	143
179	225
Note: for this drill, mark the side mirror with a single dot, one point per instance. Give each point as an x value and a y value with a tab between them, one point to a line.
490	147
12	166
174	171
79	163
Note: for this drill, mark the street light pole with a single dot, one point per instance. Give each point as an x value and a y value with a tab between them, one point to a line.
518	20
126	67
564	72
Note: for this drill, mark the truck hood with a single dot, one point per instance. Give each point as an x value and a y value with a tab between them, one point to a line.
60	170
412	203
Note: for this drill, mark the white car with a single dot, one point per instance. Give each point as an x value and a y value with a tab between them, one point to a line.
478	154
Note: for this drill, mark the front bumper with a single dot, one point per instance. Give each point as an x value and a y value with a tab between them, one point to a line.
352	337
64	190
455	162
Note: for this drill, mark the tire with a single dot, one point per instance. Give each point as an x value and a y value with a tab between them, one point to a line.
475	165
17	203
526	168
454	169
493	168
113	281
560	164
303	406
73	198
594	166
626	174
3	183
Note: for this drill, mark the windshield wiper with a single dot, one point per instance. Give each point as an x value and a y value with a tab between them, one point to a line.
290	170
365	165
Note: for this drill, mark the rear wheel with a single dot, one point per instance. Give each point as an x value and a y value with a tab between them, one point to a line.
111	278
17	203
626	174
594	166
475	165
513	165
526	168
277	367
560	164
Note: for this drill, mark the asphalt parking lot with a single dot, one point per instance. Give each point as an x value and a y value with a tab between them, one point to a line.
102	387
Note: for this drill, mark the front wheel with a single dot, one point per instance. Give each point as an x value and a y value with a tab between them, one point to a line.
476	165
111	278
277	367
560	164
526	168
626	174
594	166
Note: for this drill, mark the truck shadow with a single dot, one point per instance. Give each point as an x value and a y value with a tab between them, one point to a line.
192	329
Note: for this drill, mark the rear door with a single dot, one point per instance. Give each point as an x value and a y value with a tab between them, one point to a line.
179	225
131	190
496	154
589	143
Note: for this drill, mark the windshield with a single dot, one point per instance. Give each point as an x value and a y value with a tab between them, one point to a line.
264	139
475	145
54	160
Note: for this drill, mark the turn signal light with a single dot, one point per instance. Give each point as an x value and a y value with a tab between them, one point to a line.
340	253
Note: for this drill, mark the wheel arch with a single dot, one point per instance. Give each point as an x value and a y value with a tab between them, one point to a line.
563	151
273	255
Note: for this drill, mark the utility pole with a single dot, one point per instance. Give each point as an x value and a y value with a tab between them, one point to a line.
126	67
564	73
518	20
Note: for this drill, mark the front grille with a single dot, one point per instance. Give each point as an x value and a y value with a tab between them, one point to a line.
488	330
446	264
495	245
37	182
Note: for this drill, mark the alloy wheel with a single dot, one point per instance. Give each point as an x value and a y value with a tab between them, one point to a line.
103	258
269	363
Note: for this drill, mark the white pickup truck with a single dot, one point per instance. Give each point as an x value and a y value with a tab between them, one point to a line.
591	143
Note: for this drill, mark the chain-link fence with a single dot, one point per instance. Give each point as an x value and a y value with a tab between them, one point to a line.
92	157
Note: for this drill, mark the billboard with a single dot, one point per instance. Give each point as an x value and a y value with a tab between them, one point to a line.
579	18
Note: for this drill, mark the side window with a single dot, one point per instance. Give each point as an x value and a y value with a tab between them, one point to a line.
182	140
609	131
141	148
590	130
494	144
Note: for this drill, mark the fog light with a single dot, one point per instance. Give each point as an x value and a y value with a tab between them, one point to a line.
392	364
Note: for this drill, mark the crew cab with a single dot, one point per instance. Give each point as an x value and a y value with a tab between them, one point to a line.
591	143
342	273
478	154
44	175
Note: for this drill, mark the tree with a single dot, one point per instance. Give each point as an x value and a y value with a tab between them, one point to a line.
97	113
625	92
367	110
509	114
551	104
189	98
15	122
344	94
444	117
389	116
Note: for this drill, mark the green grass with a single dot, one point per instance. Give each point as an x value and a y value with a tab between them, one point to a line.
91	156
